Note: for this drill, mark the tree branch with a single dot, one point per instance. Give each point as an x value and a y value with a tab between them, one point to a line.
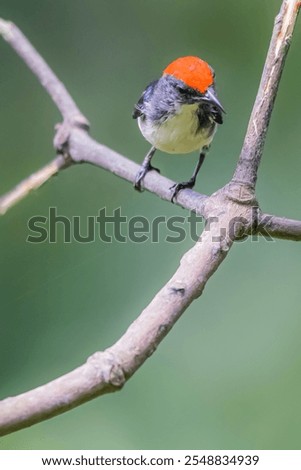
107	371
249	160
279	227
83	149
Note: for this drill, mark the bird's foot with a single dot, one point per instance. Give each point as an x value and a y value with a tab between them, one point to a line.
179	186
141	174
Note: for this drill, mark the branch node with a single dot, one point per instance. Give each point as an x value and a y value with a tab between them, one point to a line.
64	129
240	192
107	367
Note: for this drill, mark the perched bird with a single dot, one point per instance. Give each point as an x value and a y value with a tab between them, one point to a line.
179	113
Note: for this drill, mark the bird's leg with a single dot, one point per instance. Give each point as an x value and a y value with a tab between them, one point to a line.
190	183
145	168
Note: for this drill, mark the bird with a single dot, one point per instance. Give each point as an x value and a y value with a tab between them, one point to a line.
178	114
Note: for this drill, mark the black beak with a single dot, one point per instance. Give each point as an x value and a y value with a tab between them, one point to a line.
210	97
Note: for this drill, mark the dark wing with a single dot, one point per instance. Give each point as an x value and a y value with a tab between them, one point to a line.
216	114
139	108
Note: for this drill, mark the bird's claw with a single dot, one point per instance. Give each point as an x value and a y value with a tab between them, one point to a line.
179	186
141	175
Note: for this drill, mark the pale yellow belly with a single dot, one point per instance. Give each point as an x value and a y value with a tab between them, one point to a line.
178	134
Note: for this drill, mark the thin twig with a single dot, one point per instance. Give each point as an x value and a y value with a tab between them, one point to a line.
249	160
43	72
34	181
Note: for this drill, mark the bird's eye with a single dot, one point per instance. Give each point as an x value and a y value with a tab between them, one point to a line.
181	90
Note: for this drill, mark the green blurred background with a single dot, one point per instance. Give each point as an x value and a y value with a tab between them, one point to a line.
228	374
